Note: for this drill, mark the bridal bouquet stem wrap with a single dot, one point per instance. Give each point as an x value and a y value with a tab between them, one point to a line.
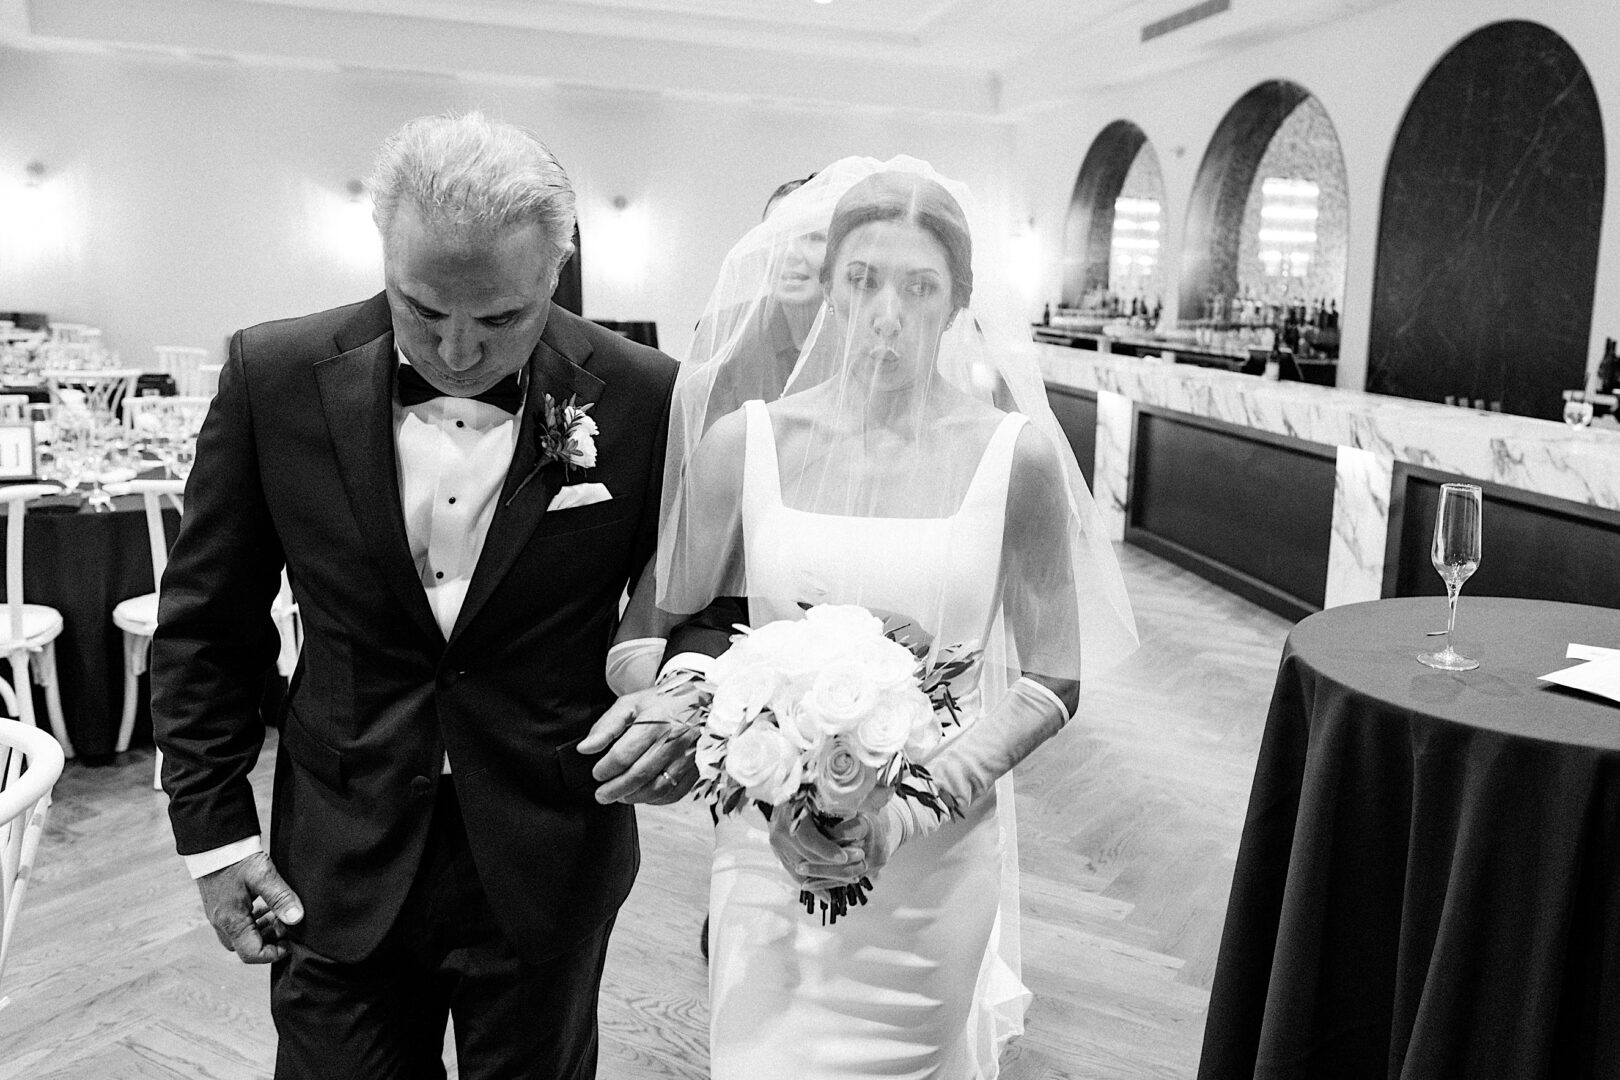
829	715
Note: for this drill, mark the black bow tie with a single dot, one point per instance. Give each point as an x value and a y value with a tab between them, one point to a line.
413	390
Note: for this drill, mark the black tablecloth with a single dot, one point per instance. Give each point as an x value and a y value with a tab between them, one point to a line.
1429	878
83	564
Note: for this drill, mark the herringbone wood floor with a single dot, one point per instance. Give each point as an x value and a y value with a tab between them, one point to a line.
1129	825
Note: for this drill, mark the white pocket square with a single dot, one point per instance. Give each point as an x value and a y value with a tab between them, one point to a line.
579	495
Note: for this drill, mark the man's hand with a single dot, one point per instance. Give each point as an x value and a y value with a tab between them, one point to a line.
651	756
249	906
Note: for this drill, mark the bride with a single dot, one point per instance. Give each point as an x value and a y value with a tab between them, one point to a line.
912	466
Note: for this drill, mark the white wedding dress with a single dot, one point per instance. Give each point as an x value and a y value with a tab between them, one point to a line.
923	981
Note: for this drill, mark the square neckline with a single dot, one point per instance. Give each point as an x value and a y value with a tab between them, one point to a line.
765	440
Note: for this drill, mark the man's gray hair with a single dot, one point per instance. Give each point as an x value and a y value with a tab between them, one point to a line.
468	172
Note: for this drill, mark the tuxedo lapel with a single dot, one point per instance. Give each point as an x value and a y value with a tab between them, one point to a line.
357	396
555	368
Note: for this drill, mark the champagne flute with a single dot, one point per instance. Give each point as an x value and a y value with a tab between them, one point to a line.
1455	556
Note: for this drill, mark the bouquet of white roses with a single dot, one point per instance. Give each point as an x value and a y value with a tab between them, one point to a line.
828	715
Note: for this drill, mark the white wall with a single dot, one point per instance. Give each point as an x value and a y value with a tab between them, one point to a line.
1364	70
193	200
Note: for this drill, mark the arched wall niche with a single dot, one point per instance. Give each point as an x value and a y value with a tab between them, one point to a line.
1488	232
1211	241
1088	232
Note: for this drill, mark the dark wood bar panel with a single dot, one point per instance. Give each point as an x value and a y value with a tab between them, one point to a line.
1076	412
1250	511
1533	546
1301	497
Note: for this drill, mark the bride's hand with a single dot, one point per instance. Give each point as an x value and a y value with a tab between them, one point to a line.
869	833
855	848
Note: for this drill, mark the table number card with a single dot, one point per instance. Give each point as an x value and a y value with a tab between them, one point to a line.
18	460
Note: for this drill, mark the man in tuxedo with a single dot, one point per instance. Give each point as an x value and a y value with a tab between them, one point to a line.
439	845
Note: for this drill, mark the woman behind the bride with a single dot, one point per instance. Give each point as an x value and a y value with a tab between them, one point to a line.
885	477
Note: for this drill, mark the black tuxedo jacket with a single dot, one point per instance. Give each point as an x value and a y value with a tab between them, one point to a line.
296	463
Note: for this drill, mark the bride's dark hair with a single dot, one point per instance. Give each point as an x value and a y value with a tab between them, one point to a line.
904	196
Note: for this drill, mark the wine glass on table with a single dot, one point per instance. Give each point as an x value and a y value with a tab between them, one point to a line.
1455	555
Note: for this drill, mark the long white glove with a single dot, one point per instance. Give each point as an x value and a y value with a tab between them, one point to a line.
970	764
633	665
963	770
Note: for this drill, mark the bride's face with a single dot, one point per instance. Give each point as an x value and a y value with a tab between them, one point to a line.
891	294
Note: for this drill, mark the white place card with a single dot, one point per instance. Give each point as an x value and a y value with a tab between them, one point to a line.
1589	652
1600	676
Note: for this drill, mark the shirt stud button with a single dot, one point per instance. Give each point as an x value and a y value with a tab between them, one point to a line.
438	573
461	423
420	786
452	500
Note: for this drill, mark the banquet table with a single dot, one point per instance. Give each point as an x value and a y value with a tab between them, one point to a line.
1428	881
83	563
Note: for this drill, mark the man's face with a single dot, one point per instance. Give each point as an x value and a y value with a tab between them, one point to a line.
467	312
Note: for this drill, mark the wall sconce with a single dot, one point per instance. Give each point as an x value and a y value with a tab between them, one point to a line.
345	225
621	241
38	227
1024	258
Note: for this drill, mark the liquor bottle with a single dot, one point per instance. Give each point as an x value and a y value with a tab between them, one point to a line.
1608	372
1046	314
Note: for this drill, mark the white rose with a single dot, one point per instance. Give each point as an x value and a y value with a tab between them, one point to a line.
579	437
843	782
731	661
845	620
762	760
816	646
801	726
885	732
773	645
841	696
739	697
890	665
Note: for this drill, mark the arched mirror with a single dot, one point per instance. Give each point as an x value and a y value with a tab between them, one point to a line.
1112	260
1268	228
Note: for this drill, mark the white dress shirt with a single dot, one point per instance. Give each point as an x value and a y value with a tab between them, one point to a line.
453	456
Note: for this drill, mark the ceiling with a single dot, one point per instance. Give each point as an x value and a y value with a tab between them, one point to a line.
984	58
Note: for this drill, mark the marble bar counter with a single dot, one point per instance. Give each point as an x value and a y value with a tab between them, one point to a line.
1302	497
